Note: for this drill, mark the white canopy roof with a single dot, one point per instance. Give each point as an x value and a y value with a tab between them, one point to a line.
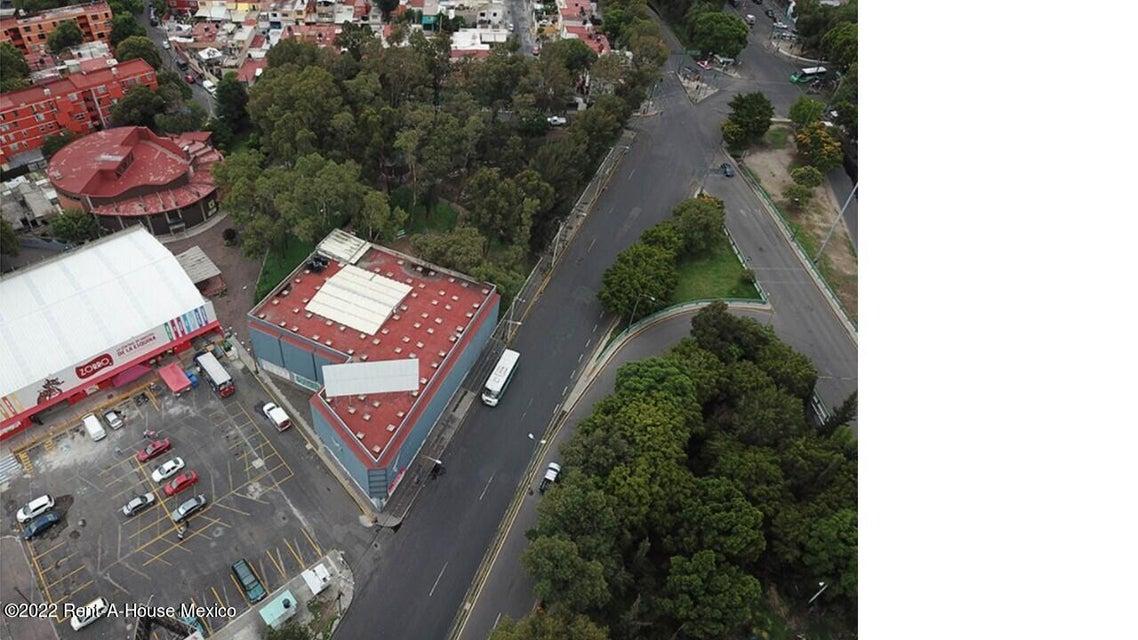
361	378
357	298
66	310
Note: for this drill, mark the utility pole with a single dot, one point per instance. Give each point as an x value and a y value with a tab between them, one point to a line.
820	584
833	226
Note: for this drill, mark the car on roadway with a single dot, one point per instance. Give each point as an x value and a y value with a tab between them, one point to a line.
86	615
556	121
114	419
728	172
276	415
167	469
35	508
154	449
188	507
551	474
779	24
166	45
190	78
138	504
180	483
536	50
41	523
770	14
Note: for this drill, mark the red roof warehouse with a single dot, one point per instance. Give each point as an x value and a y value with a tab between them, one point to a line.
130	175
373	305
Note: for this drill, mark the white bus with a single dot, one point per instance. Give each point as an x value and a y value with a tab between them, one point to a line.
808	74
216	374
500	377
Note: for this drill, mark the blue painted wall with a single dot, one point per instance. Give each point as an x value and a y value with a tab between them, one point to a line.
338	448
265	346
298	360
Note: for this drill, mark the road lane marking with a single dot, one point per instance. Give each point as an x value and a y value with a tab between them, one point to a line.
486	487
434	586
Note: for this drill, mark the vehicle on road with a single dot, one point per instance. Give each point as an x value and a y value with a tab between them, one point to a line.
86	615
750	18
191	78
250	584
770	14
40	524
551	474
35	508
93	427
182	64
187	508
728	172
779	24
167	469
209	86
276	415
153	450
114	419
181	483
500	377
536	50
211	369
138	504
166	45
808	75
557	121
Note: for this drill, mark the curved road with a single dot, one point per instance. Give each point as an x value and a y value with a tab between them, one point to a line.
508	589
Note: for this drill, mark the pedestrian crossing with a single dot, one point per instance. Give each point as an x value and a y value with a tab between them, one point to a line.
10	467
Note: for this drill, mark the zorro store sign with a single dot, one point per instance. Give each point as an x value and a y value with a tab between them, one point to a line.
85	371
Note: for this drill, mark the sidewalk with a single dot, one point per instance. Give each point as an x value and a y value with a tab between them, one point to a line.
18	585
318	612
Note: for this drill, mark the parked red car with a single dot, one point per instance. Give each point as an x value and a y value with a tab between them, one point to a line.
181	483
153	450
191	78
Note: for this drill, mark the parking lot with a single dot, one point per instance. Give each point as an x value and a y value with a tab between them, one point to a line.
270	501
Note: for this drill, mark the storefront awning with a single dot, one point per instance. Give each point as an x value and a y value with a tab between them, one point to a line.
130	375
174	377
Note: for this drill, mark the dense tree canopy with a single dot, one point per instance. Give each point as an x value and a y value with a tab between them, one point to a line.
139	47
66	34
697	478
15	68
124	26
750	118
718	33
76	226
818	147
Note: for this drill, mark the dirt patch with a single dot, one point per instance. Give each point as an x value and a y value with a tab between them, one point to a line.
240	275
771	164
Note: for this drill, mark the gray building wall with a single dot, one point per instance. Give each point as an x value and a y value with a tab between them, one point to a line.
339	449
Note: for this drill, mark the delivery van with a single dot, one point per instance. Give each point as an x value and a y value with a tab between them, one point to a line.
94	427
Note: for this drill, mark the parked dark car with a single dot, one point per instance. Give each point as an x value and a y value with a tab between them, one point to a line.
41	523
250	583
728	172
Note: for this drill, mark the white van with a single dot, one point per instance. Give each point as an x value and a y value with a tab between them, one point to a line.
209	86
94	427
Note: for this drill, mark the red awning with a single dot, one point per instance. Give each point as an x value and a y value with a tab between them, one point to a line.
130	375
174	377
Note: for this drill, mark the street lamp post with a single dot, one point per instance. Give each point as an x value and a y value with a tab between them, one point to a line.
820	584
833	226
637	303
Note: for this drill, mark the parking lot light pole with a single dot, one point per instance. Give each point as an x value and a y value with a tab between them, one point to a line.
638	299
820	584
834	225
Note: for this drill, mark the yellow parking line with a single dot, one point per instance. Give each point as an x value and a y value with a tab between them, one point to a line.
44	553
233	509
239	589
73	572
157	489
217	596
39	573
208	628
312	542
71	594
296	555
279	568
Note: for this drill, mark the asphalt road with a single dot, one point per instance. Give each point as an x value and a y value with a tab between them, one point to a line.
420	573
158	35
508	590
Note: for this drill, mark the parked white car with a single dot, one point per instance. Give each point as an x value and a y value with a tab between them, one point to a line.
34	508
89	613
556	121
114	419
167	469
276	415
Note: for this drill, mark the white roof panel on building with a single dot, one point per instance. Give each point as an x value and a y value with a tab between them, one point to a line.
343	246
66	310
197	265
362	378
357	298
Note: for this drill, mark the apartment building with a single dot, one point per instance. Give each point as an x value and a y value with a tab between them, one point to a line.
29	33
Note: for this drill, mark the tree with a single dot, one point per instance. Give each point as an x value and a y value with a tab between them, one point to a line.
798	196
735	137
139	47
138	107
290	631
751	113
572	54
564	577
190	116
75	226
387	6
124	26
15	75
497	207
293	108
843	415
806	110
353	37
699	222
719	33
231	102
377	220
9	241
55	142
718	516
807	176
639	282
65	35
461	249
709	598
830	551
665	235
840	45
544	624
818	147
